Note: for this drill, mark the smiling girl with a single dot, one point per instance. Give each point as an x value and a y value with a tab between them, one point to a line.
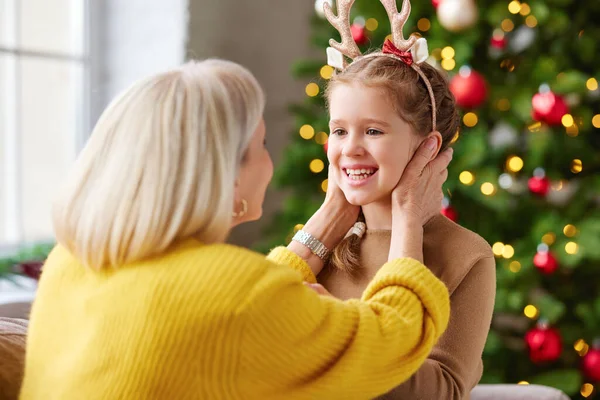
382	107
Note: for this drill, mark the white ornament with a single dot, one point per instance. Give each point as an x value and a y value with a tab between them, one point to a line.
419	51
335	58
457	15
560	195
319	7
503	135
522	38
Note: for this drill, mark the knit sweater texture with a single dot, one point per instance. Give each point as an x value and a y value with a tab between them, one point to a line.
222	322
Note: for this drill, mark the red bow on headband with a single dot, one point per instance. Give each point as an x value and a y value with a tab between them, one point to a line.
390	48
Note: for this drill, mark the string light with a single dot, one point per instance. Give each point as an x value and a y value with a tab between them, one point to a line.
448	53
324	185
530	311
525	9
579	345
592	84
571	248
508	251
534	127
514	164
466	178
587	389
567	120
321	138
424	24
307	132
514	266
317	165
572	130
470	119
503	105
448	64
576	166
549	238
498	248
514	7
488	188
570	230
507	25
326	71
596	121
312	89
531	21
371	24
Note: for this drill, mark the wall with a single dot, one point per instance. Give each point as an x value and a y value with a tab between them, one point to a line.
132	39
266	36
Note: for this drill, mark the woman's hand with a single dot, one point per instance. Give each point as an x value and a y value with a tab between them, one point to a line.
419	194
329	224
416	199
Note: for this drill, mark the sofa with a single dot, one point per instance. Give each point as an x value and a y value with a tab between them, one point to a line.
12	336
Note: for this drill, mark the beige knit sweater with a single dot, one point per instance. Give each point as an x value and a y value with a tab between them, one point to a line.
465	263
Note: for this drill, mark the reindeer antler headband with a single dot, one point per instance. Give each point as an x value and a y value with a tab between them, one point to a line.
412	51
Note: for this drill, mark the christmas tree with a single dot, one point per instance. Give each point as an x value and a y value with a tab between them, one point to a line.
524	174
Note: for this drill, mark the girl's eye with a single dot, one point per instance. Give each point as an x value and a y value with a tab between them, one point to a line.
374	132
338	132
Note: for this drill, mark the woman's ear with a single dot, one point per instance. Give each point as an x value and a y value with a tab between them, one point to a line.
438	139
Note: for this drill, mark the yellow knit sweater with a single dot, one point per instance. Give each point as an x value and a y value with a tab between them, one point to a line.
221	322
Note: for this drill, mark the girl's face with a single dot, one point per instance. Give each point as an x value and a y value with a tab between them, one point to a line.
369	144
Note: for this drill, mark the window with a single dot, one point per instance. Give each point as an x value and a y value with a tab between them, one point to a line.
44	115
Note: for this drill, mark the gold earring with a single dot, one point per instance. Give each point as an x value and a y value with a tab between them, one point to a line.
244	210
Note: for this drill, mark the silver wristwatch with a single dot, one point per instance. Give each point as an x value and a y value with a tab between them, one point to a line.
313	244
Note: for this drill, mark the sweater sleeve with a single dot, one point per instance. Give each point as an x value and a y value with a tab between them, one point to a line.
302	345
455	366
283	256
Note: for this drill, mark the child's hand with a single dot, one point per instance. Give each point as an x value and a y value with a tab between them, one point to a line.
418	196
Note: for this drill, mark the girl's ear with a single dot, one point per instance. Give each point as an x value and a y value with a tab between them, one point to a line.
438	139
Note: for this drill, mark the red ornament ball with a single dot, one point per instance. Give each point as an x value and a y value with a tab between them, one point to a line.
544	344
590	365
498	42
359	34
539	185
450	213
548	107
469	89
546	262
436	3
32	269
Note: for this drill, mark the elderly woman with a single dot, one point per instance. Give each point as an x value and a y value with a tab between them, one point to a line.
143	299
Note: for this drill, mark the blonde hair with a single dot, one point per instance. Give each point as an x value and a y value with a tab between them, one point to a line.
410	98
160	165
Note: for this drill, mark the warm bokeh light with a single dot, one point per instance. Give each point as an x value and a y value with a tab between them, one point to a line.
317	165
448	64
470	119
514	164
576	166
549	238
326	72
307	132
592	84
570	230
488	188
324	185
571	248
531	21
498	248
507	25
312	89
530	311
448	53
466	178
508	251
371	24
424	24
514	7
514	266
